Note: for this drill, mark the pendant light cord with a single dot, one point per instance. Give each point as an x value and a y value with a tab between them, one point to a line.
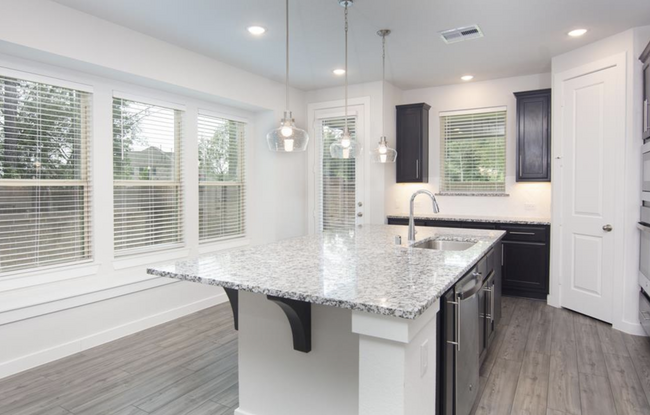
346	68
286	75
383	77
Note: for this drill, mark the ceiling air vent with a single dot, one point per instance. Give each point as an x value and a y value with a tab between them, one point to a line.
461	33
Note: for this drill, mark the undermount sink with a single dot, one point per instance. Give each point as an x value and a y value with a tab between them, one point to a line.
444	245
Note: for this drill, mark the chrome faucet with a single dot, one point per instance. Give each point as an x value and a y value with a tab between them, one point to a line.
436	209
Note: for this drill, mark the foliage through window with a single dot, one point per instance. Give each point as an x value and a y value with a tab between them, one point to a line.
473	152
338	178
222	192
44	184
146	176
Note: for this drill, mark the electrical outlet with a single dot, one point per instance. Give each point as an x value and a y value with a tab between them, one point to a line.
424	358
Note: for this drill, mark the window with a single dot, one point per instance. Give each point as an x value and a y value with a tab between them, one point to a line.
44	184
146	177
222	191
338	178
473	151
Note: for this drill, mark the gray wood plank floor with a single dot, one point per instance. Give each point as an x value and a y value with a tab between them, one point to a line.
544	361
548	361
187	366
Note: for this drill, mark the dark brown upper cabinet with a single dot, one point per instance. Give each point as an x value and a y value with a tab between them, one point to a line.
412	143
534	136
645	58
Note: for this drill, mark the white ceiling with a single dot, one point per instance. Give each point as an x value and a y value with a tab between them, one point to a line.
521	36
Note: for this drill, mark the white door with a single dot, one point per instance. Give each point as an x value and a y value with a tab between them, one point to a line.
591	138
338	182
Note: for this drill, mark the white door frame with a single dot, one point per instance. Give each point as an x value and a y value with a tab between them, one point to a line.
312	154
618	62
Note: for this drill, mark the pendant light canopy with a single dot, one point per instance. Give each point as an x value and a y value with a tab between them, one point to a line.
345	147
287	137
382	153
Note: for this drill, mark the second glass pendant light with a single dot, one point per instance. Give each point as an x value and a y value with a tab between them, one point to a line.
345	146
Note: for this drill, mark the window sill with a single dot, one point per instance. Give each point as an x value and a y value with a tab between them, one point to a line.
223	245
473	194
149	258
47	275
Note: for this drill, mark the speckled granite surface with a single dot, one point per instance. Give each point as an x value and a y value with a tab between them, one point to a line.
490	219
362	270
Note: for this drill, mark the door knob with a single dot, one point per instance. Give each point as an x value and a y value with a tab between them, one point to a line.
608	228
360	214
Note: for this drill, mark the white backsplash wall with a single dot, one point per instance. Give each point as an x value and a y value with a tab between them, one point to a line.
524	200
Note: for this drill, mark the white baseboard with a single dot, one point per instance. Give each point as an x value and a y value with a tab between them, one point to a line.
630	328
62	350
240	412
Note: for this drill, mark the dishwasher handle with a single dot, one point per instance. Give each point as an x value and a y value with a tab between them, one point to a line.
456	341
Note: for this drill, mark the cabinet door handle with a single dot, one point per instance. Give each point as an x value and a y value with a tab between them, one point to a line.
646	127
417	169
522	233
489	291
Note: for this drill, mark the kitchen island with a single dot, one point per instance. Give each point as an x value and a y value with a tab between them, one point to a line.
339	322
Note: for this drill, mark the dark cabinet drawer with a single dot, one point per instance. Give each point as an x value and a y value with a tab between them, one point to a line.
444	224
479	225
525	268
401	221
492	261
525	233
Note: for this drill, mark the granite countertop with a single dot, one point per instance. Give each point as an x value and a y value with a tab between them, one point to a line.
491	219
363	270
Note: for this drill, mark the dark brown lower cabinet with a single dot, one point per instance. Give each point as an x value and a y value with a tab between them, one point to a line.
525	269
524	257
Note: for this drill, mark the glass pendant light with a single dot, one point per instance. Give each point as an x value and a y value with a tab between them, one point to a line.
345	147
382	153
287	137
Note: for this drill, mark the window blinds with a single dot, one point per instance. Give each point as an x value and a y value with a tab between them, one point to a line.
473	152
146	177
44	176
222	190
338	178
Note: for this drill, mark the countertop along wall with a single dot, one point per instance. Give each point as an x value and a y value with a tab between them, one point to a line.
525	199
85	306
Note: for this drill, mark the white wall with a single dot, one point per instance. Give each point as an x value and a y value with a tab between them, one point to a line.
108	299
526	199
626	288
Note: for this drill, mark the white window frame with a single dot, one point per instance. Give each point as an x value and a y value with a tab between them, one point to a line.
131	257
81	267
473	111
229	240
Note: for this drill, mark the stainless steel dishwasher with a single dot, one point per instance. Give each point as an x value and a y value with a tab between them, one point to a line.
462	345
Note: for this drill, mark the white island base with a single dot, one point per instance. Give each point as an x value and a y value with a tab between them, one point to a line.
360	363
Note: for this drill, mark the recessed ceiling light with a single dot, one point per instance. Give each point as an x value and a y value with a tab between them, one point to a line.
467	77
577	32
339	72
256	30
